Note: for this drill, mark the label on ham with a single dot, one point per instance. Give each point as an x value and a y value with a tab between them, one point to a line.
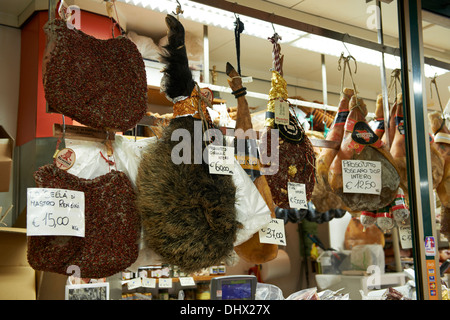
399	123
292	132
297	195
281	112
361	176
55	212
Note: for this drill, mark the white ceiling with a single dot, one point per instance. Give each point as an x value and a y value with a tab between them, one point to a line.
302	68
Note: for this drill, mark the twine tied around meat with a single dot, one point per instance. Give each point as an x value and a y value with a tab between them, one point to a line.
433	81
346	65
276	53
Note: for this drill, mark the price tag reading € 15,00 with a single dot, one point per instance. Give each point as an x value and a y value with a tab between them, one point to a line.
55	212
297	195
273	233
361	176
221	159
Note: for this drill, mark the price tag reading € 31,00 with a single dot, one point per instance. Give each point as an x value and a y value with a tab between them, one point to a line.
55	212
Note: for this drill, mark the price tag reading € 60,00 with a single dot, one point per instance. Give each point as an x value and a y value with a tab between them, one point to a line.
273	233
55	212
221	159
361	176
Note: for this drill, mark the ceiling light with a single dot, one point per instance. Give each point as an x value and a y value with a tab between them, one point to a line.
262	29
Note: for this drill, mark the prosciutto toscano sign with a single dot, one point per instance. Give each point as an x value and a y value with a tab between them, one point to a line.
361	176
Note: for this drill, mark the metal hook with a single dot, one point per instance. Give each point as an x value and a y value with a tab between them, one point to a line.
178	10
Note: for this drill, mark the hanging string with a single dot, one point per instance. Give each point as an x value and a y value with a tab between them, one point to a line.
433	81
239	28
178	11
346	65
276	55
110	5
395	78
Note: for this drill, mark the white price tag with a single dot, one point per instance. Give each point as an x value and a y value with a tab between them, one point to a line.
221	159
165	282
134	283
281	112
297	195
149	282
273	233
405	236
361	176
55	212
186	281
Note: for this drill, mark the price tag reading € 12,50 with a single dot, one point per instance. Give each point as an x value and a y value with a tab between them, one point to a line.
55	212
361	176
221	159
273	233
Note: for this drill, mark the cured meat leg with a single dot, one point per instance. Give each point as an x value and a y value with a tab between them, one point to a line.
336	133
398	151
372	150
251	250
442	142
378	126
188	215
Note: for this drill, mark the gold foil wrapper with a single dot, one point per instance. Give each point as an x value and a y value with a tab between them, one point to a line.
189	106
277	91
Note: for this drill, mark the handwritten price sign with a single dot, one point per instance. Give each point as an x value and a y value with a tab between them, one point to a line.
273	233
221	160
297	195
55	212
361	176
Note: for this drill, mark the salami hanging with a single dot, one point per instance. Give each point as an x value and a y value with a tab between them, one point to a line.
289	155
99	83
112	226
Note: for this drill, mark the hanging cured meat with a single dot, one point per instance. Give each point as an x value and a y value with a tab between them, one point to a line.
398	150
322	197
112	226
188	214
252	250
360	143
287	156
335	134
442	142
99	83
378	123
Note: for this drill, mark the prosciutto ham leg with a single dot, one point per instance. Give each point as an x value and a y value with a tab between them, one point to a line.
442	142
373	150
251	250
336	133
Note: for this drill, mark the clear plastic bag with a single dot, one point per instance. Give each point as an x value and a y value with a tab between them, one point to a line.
266	291
306	294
